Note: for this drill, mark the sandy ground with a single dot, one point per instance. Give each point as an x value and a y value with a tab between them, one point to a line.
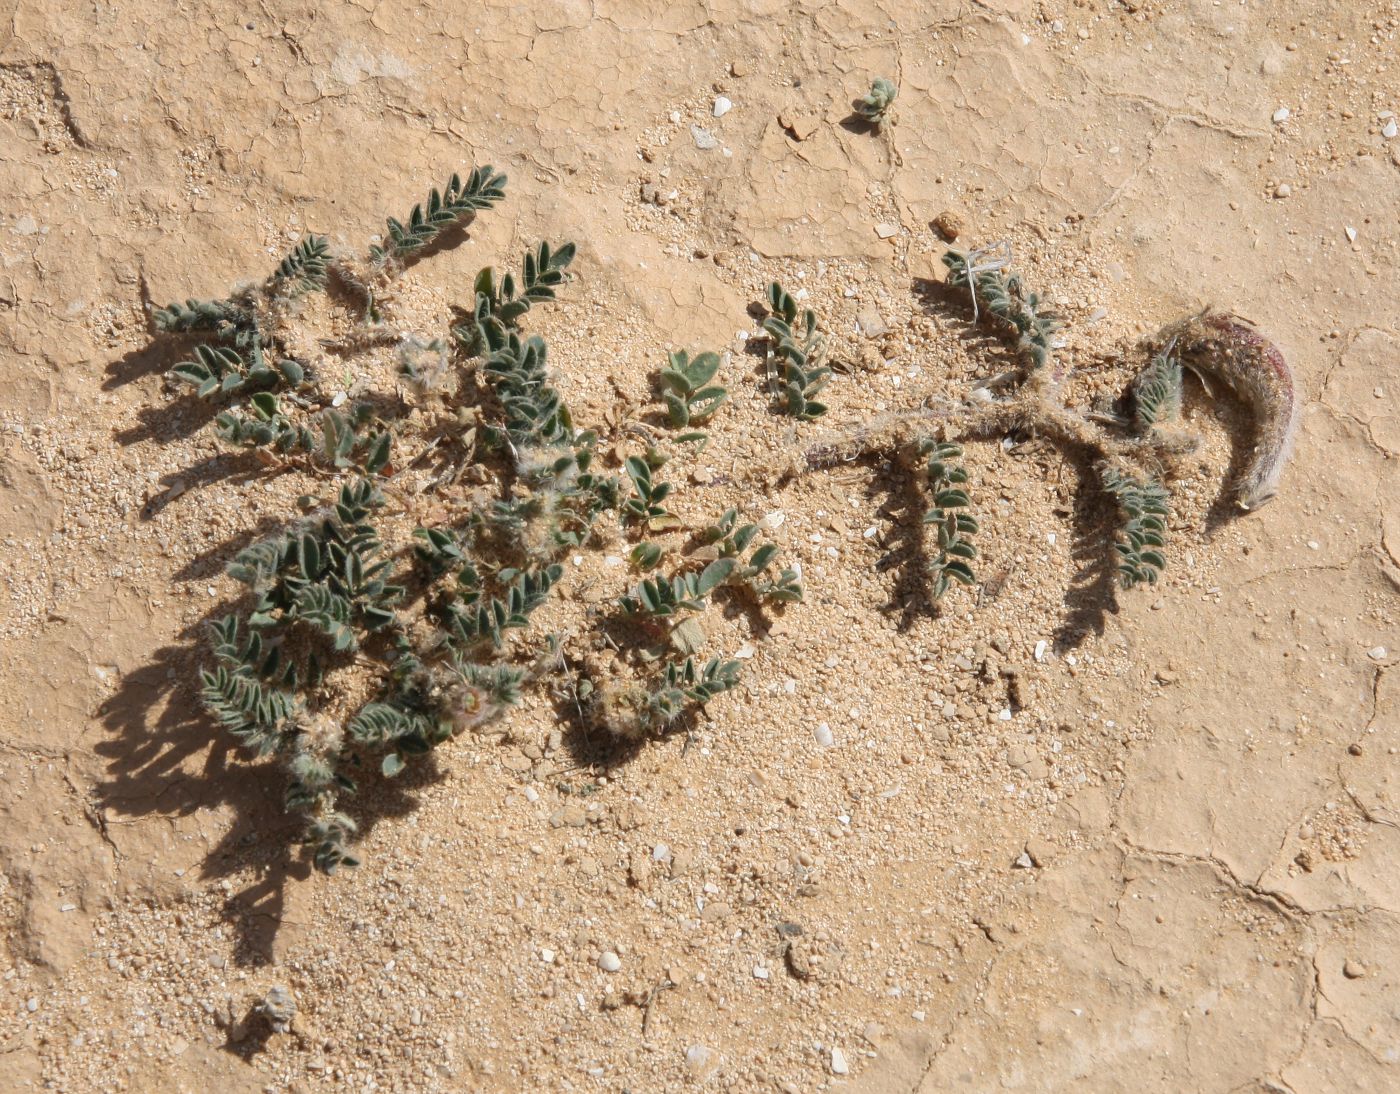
1199	786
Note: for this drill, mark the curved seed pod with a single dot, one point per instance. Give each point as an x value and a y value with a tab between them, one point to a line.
1231	349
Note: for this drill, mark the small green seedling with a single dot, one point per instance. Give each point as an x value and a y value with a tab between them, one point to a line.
663	598
644	506
731	540
689	396
796	360
876	105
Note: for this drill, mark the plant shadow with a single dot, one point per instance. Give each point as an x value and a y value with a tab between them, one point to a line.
1092	595
896	491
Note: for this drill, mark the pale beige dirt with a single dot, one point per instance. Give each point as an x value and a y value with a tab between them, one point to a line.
1204	777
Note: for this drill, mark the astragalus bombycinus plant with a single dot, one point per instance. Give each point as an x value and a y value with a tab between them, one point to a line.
399	609
370	634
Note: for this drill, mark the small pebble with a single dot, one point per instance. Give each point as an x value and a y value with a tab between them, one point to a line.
1353	970
722	107
1282	190
1390	130
839	1066
609	961
824	735
1376	653
715	911
1351	233
948	224
886	230
1281	114
704	139
871	324
760	973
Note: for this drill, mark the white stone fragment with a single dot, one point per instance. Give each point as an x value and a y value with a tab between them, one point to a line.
609	961
722	107
824	736
839	1066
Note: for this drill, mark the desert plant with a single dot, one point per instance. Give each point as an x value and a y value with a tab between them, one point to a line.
337	439
324	572
665	598
305	267
685	683
444	208
499	307
644	506
471	615
535	414
222	370
796	360
226	319
689	396
1157	392
1142	526
636	710
875	105
950	524
645	556
731	539
1006	298
437	625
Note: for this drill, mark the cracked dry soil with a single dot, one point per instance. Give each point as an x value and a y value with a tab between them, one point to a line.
1199	783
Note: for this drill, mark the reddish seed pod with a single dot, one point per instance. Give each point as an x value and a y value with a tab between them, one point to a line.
1230	349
